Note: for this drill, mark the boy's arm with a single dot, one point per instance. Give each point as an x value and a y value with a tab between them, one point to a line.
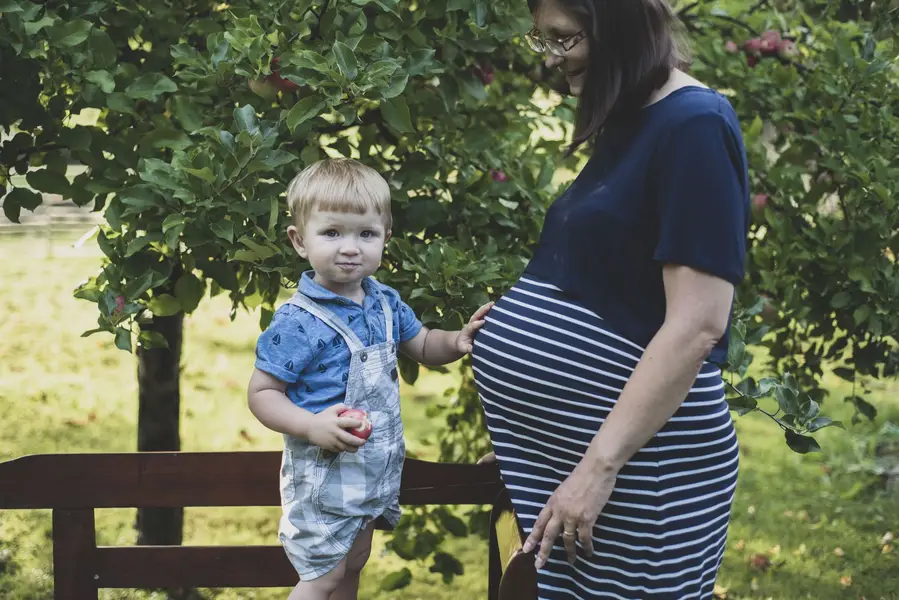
434	347
269	404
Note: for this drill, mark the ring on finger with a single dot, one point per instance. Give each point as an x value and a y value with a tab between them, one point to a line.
569	533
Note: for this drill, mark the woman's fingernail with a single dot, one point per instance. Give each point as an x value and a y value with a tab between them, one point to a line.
528	547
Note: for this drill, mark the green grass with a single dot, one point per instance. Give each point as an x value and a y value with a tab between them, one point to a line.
63	393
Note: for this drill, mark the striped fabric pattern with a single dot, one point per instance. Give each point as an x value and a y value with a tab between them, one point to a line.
548	372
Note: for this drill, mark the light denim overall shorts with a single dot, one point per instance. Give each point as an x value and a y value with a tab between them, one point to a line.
327	498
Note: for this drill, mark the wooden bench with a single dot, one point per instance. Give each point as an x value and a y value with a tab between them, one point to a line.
73	485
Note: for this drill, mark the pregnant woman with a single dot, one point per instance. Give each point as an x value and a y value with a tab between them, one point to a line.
598	371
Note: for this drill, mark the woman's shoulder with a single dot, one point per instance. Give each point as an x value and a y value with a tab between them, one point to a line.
693	104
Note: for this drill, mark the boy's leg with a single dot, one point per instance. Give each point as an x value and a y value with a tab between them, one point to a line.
348	589
322	587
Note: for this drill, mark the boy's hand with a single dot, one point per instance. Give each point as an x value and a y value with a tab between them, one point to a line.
329	431
465	339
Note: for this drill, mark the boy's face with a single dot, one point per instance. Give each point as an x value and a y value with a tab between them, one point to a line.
342	248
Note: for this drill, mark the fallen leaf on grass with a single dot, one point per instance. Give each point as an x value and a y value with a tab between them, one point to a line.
846	580
775	550
754	584
886	549
839	552
720	592
77	422
740	545
759	562
751	510
788	514
887	538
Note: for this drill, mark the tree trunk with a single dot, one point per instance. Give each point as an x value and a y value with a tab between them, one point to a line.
158	421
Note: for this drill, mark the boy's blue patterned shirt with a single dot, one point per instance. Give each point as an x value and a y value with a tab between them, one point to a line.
311	357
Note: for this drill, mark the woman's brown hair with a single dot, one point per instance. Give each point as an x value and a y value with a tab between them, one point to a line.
634	44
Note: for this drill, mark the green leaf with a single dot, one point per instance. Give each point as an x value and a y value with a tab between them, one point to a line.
863	406
18	199
138	244
840	300
189	291
187	112
103	52
305	109
223	229
123	339
34	27
103	79
150	87
802	444
822	422
205	174
346	60
164	305
447	565
420	62
278	158
245	118
10	6
397	580
409	369
67	34
452	523
786	400
152	340
49	182
396	113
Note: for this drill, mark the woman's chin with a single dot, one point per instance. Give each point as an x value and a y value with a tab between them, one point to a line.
575	85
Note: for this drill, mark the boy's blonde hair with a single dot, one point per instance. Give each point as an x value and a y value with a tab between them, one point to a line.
338	185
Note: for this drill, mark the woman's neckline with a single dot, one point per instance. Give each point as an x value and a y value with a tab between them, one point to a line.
676	93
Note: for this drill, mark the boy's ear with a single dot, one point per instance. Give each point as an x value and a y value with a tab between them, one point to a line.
297	241
387	236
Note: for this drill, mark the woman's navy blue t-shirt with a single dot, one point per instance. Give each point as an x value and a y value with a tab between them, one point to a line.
669	185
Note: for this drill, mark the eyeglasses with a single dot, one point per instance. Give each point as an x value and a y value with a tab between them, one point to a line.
540	44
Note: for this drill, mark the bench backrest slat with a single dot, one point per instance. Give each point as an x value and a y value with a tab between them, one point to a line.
174	479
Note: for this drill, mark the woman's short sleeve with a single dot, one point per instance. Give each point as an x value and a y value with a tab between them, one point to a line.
283	349
702	198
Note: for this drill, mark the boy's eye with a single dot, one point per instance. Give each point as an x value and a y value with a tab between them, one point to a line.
331	233
368	233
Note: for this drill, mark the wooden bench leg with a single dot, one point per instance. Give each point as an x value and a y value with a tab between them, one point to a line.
74	549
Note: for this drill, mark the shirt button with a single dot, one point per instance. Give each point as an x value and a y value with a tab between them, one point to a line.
363	357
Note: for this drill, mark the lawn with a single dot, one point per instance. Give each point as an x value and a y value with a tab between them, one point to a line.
803	526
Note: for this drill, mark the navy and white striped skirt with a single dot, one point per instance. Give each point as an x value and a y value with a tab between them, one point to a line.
548	372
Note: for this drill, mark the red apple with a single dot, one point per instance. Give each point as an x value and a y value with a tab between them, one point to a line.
285	85
759	202
768	46
731	47
484	71
752	45
787	49
771	35
362	432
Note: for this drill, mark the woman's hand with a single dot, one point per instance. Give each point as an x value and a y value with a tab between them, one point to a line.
571	512
465	339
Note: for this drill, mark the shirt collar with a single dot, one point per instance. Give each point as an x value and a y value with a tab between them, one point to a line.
311	289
